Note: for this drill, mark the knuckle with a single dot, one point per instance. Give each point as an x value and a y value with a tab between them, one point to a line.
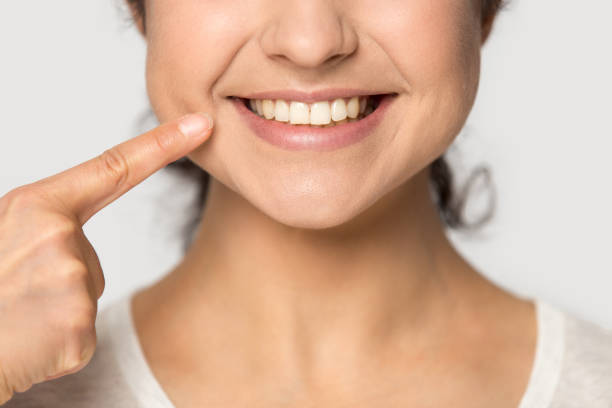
23	191
81	321
79	324
16	198
80	338
115	165
72	273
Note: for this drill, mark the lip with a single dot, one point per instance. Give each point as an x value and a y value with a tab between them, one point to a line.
304	137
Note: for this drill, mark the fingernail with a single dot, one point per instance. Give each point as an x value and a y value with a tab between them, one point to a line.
195	124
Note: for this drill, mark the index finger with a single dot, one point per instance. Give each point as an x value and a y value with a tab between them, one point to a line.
88	187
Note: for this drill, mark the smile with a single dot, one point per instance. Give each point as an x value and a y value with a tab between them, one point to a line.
320	126
320	114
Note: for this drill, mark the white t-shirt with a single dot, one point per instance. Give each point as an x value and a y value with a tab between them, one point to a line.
572	367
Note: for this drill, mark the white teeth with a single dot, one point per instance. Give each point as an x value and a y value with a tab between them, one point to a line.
338	110
281	111
318	114
268	108
299	113
352	107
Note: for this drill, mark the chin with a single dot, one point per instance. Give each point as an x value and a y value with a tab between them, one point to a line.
309	208
323	218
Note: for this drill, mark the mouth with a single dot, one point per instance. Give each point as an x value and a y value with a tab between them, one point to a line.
321	125
319	114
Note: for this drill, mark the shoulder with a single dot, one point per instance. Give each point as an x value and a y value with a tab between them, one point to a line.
586	365
99	384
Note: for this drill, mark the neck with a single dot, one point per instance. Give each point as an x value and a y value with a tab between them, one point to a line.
389	271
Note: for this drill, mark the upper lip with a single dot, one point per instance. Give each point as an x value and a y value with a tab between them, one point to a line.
313	96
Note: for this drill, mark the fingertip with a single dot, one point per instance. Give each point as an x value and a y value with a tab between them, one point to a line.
211	122
196	124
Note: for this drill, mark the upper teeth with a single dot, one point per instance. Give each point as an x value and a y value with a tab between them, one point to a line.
319	113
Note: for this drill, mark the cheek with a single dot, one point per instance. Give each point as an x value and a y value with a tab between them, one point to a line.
436	47
433	43
187	50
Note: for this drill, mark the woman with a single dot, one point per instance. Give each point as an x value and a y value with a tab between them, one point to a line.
320	273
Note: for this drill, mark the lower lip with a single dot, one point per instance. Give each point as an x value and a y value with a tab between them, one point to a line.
304	137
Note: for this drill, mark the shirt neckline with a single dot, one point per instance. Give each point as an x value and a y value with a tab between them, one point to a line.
542	383
131	359
547	365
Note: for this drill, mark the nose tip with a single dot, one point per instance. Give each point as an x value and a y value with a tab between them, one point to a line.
309	34
308	51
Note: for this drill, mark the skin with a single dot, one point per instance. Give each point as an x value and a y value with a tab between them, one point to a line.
326	279
50	272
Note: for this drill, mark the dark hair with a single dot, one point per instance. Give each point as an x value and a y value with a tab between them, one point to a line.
449	202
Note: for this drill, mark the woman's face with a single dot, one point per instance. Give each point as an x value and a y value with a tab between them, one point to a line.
202	52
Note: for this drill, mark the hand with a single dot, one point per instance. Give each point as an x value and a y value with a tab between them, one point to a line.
50	275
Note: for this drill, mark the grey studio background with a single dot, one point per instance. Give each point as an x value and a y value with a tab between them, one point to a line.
72	85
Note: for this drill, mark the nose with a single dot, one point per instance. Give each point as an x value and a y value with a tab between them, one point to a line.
308	34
